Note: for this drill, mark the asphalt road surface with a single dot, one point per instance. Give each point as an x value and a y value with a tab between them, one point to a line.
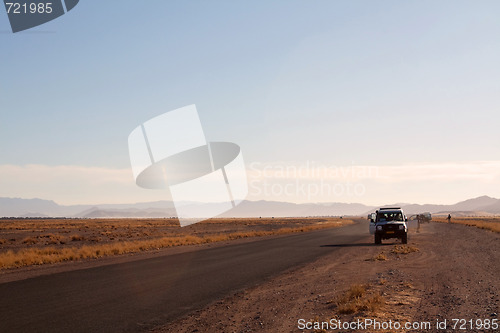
139	295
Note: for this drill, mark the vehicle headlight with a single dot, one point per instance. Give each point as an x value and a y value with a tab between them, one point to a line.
379	227
401	227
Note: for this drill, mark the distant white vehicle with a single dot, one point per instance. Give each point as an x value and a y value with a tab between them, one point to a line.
388	223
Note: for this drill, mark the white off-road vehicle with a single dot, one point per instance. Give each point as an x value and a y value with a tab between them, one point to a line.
388	223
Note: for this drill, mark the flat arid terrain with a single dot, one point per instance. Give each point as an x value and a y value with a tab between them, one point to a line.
304	278
28	242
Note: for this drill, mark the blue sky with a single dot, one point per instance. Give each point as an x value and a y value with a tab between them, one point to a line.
391	84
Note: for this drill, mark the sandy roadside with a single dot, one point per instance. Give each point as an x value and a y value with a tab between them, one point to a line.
454	274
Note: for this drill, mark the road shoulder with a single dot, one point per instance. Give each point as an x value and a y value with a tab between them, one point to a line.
450	273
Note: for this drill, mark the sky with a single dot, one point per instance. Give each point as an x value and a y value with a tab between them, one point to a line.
330	101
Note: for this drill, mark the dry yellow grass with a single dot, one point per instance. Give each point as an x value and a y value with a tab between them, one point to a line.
379	257
404	249
357	299
49	255
397	249
486	223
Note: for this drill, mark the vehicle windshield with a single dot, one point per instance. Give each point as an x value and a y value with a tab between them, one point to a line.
390	216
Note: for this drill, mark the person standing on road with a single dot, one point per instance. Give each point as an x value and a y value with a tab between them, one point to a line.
449	218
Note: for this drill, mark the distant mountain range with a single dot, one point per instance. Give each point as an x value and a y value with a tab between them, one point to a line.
15	207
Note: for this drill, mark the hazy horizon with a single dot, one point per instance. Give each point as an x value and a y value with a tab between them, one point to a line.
380	204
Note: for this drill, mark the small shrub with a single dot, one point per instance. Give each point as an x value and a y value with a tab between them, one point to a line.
404	249
356	299
77	238
379	257
356	291
30	240
408	285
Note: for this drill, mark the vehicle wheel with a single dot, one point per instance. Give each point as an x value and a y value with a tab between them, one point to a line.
378	239
404	239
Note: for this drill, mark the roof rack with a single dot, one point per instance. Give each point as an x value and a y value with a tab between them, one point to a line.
390	208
